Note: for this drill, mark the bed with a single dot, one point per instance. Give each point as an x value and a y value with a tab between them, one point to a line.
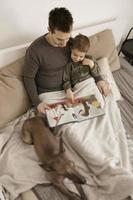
104	38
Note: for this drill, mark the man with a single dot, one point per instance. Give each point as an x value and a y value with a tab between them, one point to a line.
46	57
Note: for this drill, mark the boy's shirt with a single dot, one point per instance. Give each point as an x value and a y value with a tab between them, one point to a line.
77	72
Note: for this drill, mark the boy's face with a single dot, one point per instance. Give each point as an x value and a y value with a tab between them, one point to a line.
60	38
77	55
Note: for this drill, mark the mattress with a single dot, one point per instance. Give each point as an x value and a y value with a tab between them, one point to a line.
124	80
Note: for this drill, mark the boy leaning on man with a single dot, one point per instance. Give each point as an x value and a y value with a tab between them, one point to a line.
81	67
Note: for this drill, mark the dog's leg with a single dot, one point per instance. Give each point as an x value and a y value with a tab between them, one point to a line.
57	181
71	195
74	175
81	191
77	179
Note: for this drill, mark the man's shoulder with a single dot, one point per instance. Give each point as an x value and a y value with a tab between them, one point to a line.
37	42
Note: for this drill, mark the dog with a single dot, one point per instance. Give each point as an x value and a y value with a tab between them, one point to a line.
51	154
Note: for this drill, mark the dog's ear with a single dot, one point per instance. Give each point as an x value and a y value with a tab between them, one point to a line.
43	117
25	133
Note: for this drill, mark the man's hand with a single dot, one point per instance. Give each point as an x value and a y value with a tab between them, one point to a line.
89	62
70	95
103	86
42	107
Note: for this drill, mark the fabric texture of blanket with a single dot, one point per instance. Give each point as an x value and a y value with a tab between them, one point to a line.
97	146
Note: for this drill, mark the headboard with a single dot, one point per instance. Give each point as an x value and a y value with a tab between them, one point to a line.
11	54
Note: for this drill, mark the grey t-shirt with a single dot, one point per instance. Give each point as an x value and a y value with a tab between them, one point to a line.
43	68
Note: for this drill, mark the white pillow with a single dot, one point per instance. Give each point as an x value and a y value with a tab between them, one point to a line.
107	75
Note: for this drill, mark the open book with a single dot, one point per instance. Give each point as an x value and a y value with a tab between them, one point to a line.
82	109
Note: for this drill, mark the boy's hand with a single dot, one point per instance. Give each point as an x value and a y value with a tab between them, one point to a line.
70	95
89	62
103	86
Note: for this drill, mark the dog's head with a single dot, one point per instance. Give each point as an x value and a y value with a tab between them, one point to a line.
66	168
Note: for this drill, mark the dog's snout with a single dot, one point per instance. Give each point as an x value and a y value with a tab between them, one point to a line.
75	176
77	179
82	180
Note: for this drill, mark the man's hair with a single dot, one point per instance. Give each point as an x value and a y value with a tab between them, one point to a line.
81	42
60	19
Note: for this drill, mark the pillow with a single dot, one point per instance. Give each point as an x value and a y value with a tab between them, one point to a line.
13	69
108	76
102	44
13	97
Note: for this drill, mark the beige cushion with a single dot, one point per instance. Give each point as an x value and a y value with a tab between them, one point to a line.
13	69
107	75
13	97
102	44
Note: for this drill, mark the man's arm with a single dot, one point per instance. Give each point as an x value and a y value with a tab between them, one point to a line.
102	85
31	66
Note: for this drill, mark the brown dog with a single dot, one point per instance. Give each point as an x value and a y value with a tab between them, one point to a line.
49	149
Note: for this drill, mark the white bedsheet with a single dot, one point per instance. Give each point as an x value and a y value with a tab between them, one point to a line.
97	146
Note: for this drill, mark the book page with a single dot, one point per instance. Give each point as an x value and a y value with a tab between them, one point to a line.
88	107
82	109
61	114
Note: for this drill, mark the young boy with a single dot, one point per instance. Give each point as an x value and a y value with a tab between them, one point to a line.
81	67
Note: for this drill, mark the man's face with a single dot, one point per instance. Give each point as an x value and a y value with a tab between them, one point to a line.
59	38
77	55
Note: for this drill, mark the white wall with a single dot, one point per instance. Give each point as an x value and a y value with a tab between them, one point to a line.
24	20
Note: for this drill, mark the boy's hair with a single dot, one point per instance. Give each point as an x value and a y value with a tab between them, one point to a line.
60	19
81	42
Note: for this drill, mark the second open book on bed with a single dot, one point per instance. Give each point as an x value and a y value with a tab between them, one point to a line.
82	109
